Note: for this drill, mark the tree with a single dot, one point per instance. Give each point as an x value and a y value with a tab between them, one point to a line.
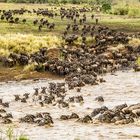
64	1
75	1
106	7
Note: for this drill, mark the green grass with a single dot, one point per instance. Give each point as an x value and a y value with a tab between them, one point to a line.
29	28
123	23
129	24
9	134
138	61
116	22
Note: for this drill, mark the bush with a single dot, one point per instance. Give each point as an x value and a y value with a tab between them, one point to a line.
51	1
64	1
9	134
74	1
135	42
133	12
22	137
138	61
120	10
106	7
30	67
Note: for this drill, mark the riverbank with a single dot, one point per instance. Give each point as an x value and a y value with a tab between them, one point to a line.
17	74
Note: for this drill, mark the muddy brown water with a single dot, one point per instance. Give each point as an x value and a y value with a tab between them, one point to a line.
123	87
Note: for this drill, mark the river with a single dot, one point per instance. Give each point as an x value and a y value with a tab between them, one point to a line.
122	87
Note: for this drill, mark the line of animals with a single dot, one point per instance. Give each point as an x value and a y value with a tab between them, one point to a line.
75	15
85	60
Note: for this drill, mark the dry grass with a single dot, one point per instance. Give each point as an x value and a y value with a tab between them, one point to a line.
138	61
29	67
26	43
135	42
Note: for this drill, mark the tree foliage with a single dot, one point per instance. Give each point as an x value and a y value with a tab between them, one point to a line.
58	1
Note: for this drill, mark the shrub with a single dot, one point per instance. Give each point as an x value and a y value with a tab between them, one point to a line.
135	42
106	7
133	12
51	1
138	61
9	134
22	137
75	1
120	10
64	1
30	67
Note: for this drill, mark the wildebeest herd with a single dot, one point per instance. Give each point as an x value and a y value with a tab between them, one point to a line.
55	94
77	16
80	64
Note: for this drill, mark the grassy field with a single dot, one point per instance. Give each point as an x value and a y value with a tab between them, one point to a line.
123	23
